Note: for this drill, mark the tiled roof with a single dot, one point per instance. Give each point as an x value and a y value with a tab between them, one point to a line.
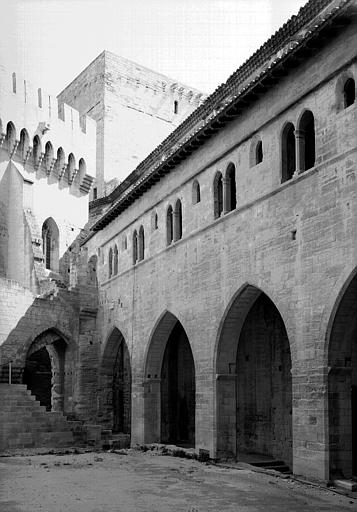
278	47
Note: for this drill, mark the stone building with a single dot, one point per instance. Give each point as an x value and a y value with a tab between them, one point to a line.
216	291
135	109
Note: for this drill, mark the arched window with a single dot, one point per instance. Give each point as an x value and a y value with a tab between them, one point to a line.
135	247
178	220
196	192
24	144
48	157
39	97
36	151
175	107
306	140
141	243
71	167
10	136
259	152
349	92
218	195
154	221
50	244
115	270
231	199
110	263
169	225
60	162
124	243
288	152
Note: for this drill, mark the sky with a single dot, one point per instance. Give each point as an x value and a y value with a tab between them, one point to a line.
197	42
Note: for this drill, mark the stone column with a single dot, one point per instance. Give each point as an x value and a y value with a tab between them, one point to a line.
300	151
226	182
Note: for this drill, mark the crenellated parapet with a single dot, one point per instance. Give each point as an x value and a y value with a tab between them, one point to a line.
44	136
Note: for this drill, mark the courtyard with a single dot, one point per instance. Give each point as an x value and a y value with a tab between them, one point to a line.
130	480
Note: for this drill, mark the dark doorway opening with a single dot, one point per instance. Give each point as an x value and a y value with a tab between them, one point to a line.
122	390
178	390
38	376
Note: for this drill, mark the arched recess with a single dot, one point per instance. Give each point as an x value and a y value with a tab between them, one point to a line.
306	141
50	244
10	136
45	370
196	192
36	151
253	380
115	384
218	194
24	145
288	152
170	388
342	383
178	220
169	225
230	192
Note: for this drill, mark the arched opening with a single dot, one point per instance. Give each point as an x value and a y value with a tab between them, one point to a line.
49	160
218	195
71	171
60	162
170	402
258	152
154	221
141	243
23	149
196	192
342	384
135	247
349	92
10	137
178	220
115	385
230	184
115	265
110	262
254	388
288	152
36	150
50	244
169	225
44	372
306	138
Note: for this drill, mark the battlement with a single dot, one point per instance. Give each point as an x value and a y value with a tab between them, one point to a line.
56	132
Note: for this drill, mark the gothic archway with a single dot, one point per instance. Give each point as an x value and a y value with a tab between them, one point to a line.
170	401
115	384
342	383
253	388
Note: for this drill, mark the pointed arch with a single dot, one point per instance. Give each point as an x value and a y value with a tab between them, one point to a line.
50	244
252	354
24	144
218	194
141	244
135	247
115	384
196	192
230	192
178	220
36	150
110	262
71	164
288	152
169	225
48	156
10	137
115	264
306	140
60	162
169	373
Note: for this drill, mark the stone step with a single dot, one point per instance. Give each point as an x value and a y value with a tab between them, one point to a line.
277	465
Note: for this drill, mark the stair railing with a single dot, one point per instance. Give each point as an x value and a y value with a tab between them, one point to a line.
9	364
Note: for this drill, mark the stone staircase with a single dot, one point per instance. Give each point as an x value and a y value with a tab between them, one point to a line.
24	423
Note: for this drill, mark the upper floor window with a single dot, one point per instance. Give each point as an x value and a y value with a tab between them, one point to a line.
39	97
115	262
306	141
14	82
230	184
259	152
178	220
218	194
288	152
154	221
196	192
175	107
135	247
110	262
141	243
349	92
169	226
125	243
50	244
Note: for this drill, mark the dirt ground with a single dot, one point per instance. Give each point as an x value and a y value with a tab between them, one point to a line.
137	481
